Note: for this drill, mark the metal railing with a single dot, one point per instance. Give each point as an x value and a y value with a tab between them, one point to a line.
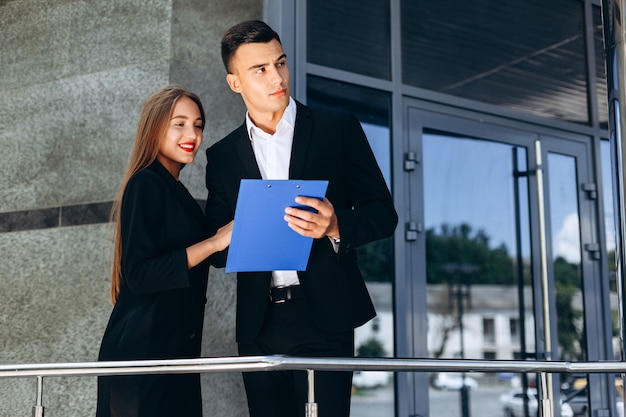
277	363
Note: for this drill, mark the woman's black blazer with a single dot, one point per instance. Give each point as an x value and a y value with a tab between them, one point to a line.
160	309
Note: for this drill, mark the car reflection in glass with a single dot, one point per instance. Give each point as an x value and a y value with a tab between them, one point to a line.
370	379
576	394
449	381
513	404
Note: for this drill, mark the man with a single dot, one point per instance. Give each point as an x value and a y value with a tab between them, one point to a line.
310	313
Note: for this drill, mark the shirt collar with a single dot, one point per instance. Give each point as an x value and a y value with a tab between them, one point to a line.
289	118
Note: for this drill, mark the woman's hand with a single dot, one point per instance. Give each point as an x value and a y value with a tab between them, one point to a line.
219	241
222	237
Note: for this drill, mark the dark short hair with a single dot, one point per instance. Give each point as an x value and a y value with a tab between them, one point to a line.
251	31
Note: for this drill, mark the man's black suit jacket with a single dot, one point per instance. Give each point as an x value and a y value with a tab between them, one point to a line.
326	145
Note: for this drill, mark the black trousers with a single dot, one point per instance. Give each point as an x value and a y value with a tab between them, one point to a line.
149	396
289	330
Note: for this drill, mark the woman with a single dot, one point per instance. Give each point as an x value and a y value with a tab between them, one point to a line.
159	275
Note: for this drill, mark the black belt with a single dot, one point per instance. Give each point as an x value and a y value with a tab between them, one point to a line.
280	295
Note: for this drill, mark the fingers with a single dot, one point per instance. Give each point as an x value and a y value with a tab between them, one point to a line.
223	235
322	207
312	224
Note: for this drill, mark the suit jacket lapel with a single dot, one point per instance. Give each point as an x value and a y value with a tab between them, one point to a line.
246	153
192	208
301	141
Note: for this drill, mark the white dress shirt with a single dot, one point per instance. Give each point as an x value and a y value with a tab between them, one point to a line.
273	155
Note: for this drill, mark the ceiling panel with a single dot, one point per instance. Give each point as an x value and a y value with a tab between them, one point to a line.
527	56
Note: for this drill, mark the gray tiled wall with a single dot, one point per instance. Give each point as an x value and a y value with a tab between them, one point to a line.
73	76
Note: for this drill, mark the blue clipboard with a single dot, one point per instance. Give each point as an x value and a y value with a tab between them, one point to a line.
262	240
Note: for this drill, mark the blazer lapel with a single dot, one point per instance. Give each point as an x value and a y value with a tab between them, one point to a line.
246	153
301	141
192	207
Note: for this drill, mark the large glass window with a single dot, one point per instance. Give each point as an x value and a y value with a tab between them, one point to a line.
350	35
528	56
566	256
479	291
374	391
529	59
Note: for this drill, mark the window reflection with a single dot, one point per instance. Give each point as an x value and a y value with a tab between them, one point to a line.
566	253
566	261
379	137
476	216
600	63
609	224
374	391
527	56
478	263
376	339
351	35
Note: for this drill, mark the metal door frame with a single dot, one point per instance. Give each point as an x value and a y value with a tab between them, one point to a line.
410	294
598	326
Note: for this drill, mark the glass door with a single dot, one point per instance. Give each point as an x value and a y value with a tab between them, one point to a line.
474	281
478	266
581	287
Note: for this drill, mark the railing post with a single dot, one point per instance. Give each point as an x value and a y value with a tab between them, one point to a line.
311	407
546	399
38	408
546	380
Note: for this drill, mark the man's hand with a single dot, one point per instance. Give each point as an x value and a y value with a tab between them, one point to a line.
310	224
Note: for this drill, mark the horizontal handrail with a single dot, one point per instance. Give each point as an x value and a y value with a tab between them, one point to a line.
278	362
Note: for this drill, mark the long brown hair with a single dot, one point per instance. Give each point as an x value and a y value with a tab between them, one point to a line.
155	115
